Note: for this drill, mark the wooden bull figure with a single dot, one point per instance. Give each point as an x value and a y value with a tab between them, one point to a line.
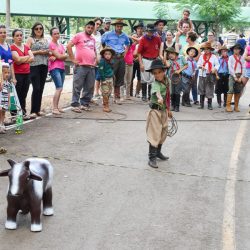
29	184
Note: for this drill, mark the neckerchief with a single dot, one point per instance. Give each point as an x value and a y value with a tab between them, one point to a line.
237	60
207	61
175	66
192	61
224	60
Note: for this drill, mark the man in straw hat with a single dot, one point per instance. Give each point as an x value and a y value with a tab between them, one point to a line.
157	119
118	41
148	50
159	26
208	65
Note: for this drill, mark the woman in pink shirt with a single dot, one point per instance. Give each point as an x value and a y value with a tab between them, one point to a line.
57	67
129	60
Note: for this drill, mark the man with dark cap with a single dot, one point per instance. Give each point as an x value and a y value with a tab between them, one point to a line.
85	60
148	50
159	26
118	41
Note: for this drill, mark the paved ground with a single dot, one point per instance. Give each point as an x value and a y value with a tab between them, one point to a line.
107	198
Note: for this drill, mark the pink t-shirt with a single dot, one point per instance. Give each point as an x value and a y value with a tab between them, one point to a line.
129	57
85	49
248	54
57	64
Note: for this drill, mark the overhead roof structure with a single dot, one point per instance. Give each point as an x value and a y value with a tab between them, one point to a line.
127	9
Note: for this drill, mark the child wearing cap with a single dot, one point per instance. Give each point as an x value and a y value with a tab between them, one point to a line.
4	94
157	119
208	65
222	83
236	78
176	64
188	75
105	67
185	18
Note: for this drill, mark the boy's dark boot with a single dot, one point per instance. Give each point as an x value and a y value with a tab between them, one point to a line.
152	156
219	100
177	102
144	91
187	100
172	102
209	106
183	99
160	155
202	99
149	91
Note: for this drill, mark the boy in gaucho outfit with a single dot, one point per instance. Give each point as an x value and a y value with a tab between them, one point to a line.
237	80
157	120
208	64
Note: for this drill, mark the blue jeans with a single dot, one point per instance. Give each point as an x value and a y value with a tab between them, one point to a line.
58	76
194	87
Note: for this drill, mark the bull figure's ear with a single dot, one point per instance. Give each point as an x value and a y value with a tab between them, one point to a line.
27	165
35	177
11	162
5	172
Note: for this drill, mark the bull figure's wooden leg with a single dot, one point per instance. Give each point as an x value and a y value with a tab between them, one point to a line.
12	211
35	212
47	202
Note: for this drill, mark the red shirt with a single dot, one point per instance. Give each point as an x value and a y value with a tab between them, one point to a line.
149	47
23	68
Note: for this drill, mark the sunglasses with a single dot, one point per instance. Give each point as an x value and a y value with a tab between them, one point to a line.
39	28
19	35
98	24
3	32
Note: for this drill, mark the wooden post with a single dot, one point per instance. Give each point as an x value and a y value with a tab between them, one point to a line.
8	15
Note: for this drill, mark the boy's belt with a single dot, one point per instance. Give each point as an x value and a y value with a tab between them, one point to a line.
186	75
155	106
150	59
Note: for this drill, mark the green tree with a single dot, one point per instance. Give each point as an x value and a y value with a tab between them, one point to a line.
218	12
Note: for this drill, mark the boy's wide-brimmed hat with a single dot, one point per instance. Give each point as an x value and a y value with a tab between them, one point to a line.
237	46
160	21
207	45
107	49
196	51
171	50
156	64
223	48
119	21
138	25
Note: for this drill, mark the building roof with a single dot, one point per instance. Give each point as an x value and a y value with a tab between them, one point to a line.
126	9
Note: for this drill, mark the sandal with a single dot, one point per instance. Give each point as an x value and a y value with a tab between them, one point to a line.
56	112
40	113
61	111
3	150
85	107
76	110
33	116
